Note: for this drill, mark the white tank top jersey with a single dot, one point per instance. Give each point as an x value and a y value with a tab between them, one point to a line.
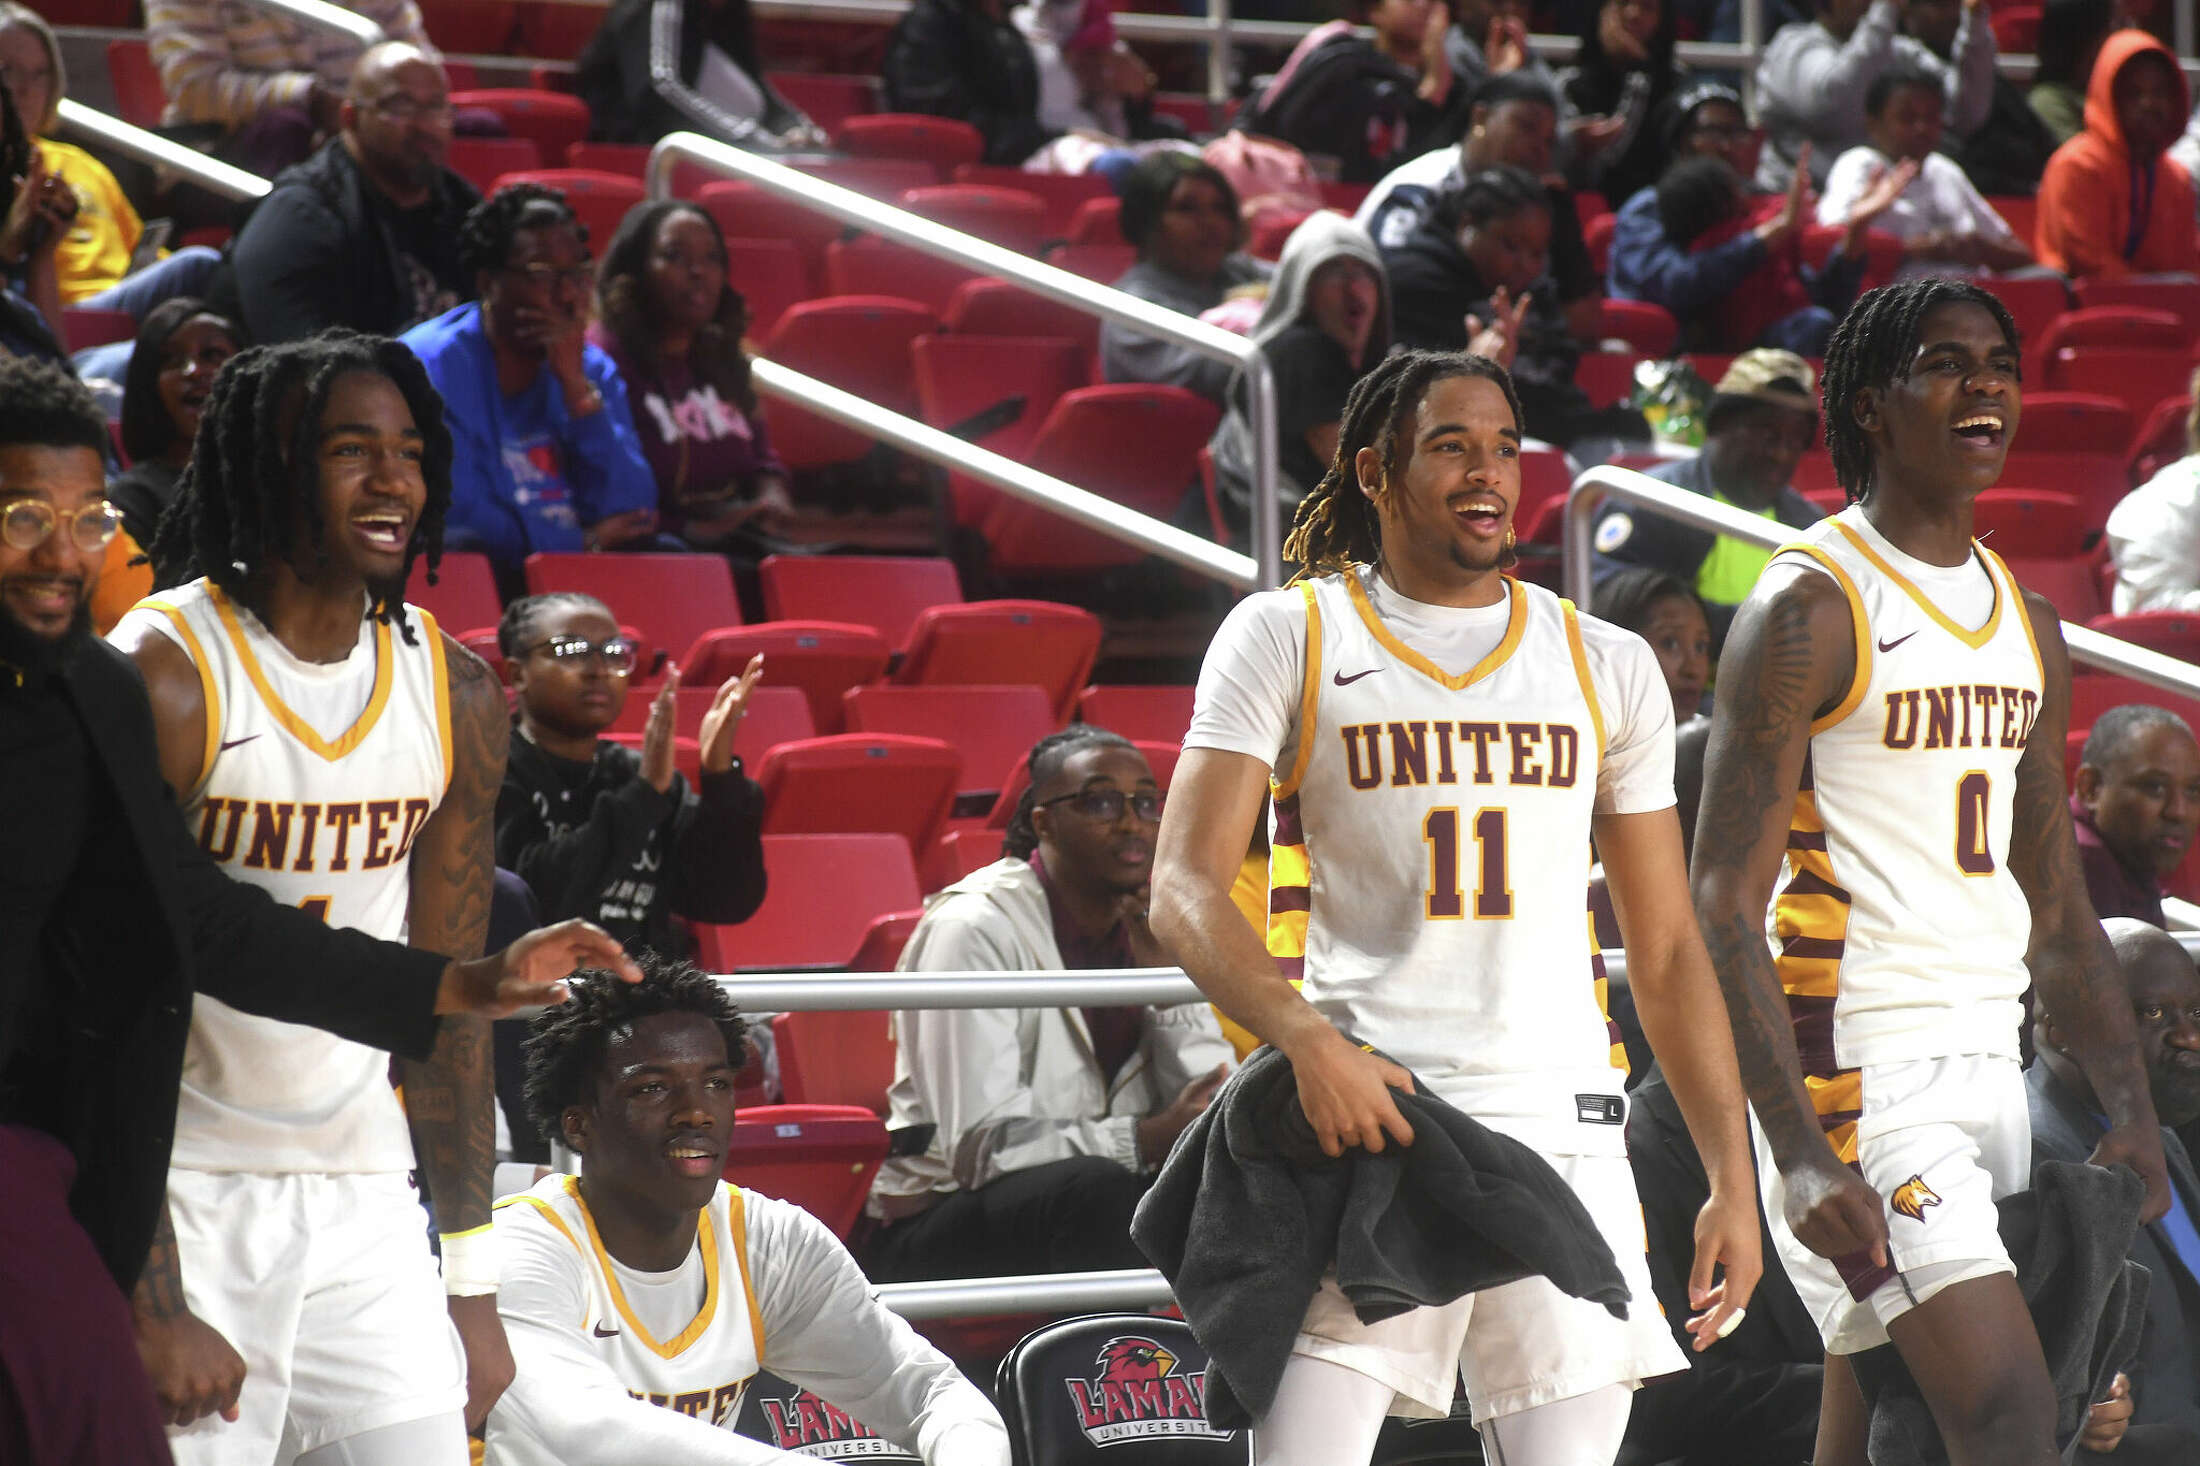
1898	930
316	780
1429	861
703	1369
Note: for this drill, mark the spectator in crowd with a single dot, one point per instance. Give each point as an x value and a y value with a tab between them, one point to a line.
1181	215
1811	82
1369	104
1474	276
659	66
1326	320
964	59
1762	419
178	351
2135	802
266	85
365	233
545	452
596	829
1728	264
1089	79
2112	204
638	1082
1945	226
36	210
94	257
2154	533
1659	607
2070	39
1047	1122
2163	1386
1490	38
1514	120
1624	74
672	324
2007	152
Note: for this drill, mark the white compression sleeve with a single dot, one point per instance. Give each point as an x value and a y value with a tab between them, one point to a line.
1324	1415
1581	1430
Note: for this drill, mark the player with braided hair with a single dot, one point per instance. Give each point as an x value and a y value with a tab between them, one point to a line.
330	753
1442	741
1886	766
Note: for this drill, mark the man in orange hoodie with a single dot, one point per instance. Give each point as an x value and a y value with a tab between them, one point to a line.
2112	205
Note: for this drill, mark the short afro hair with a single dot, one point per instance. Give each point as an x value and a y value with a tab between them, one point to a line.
2114	730
47	408
566	1047
485	235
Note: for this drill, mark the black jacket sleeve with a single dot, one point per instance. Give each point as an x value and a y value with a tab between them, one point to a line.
283	259
569	872
716	870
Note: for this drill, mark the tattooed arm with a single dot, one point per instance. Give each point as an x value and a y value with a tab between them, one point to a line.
450	1098
2071	960
1790	657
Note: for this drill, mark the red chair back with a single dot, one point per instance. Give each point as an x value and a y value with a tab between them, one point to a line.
868	265
2032	523
992	726
598	200
1648	328
860	344
2074	422
464	596
557	32
889	783
471	27
139	97
990	307
824	892
1142	714
1008	217
838	1058
554	120
825	99
1043	642
2172	633
884	179
674	599
481	161
628	160
772	277
2180	298
1098	221
1104	263
959	377
943	142
1060	195
2161	440
823	659
820	1157
884	592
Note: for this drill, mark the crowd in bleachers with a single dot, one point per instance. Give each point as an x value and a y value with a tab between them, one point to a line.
731	743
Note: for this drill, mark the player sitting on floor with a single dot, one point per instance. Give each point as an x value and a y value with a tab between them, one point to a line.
643	1295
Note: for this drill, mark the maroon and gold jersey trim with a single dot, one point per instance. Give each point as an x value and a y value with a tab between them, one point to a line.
1515	628
1290	887
1580	652
1310	694
291	723
1859	628
1972	639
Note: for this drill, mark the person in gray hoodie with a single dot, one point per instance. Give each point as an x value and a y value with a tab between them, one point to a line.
1326	321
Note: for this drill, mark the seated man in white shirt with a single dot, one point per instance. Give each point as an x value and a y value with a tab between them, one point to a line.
642	1296
1945	225
2154	535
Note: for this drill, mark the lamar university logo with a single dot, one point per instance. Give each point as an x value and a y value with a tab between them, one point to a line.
1912	1197
1137	1393
798	1421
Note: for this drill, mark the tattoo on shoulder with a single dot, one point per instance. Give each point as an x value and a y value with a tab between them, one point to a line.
1765	693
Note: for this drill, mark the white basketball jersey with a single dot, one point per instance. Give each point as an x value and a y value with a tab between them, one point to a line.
316	780
1429	861
704	1369
1898	930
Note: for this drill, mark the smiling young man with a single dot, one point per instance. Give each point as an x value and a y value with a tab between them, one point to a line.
644	1294
331	745
1442	741
1889	729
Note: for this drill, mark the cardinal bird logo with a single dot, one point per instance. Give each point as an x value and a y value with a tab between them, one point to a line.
1140	1389
1912	1197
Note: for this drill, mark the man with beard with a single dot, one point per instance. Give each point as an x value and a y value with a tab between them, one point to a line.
2164	988
365	232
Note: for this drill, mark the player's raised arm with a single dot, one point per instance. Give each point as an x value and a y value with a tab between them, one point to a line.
2070	957
1789	658
1214	797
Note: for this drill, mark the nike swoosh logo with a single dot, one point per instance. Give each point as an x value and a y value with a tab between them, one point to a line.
604	1333
1343	681
1888	646
236	742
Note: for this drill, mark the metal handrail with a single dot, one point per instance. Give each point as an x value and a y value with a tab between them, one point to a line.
1670	501
211	174
1075	291
792	992
1131	1288
1006	474
323	16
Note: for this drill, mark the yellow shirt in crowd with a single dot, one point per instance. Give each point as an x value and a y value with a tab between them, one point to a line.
97	252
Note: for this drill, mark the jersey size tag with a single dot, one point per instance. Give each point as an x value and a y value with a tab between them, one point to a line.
1600	1109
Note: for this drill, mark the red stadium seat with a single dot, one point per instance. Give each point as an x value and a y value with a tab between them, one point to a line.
628	160
990	307
884	592
598	200
820	1157
1649	329
1161	758
464	595
83	326
1882	251
471	27
1103	263
481	161
2021	213
825	891
827	100
1607	376
2095	480
557	32
2069	581
2033	523
943	142
2180	298
860	344
2172	633
883	179
1345	198
1596	236
772	277
1133	443
1589	205
674	599
555	121
2016	29
992	726
1272	230
1008	217
2162	439
870	266
998	641
849	783
2073	422
1098	221
2124	352
1143	714
2093	693
838	1058
1544	477
961	377
884	939
822	658
964	847
1060	195
744	211
2033	302
139	97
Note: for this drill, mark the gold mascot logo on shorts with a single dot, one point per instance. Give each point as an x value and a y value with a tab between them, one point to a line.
1912	1197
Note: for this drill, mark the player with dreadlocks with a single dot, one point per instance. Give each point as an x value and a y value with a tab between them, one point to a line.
1442	741
333	746
1887	751
638	1083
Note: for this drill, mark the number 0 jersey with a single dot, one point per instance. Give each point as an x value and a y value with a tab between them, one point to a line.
315	781
1430	854
1898	931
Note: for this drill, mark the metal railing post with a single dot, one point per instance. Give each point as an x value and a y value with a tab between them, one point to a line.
150	147
1753	44
1218	59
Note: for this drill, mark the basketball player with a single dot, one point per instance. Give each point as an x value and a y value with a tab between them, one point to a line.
645	1293
1442	740
331	745
1889	727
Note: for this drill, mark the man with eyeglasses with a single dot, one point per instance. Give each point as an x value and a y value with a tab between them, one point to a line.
1031	1133
364	233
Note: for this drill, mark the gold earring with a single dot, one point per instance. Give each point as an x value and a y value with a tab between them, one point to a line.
1511	539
